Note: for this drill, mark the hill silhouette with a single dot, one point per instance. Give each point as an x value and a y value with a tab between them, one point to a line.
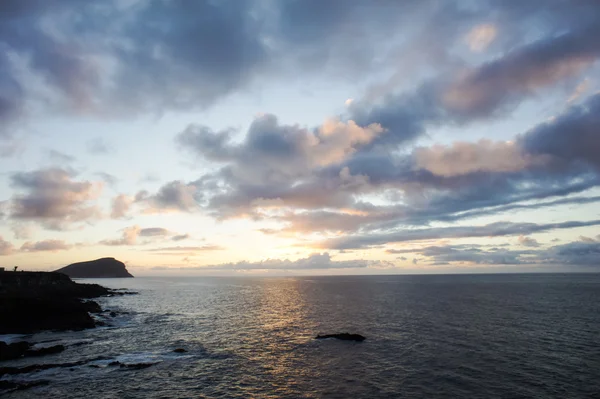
99	268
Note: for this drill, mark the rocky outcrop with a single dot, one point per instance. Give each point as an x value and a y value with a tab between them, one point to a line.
35	301
99	268
13	351
343	337
23	349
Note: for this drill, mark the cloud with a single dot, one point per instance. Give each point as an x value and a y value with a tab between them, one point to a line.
528	241
498	229
575	253
45	246
473	254
6	248
173	196
482	91
180	237
268	143
129	237
581	146
312	262
121	58
53	198
154	232
120	206
22	231
483	156
481	36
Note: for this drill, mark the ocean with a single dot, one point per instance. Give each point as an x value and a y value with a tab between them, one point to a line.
450	336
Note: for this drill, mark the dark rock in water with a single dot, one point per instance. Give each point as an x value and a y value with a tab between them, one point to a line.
113	314
45	351
343	337
99	268
14	350
36	367
35	301
179	350
136	366
131	366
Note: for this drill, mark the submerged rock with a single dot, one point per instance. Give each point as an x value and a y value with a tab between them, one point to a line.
343	337
9	386
136	366
14	350
50	350
99	268
179	350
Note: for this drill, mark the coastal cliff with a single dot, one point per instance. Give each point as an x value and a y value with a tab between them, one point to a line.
99	268
36	301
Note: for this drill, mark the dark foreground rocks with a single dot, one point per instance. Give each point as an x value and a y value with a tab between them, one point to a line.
343	337
31	302
13	351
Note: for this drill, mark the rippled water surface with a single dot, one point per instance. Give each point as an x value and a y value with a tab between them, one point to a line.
484	336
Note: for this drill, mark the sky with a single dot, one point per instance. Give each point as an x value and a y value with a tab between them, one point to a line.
301	136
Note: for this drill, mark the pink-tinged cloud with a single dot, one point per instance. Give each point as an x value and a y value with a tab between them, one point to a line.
53	198
6	248
462	158
120	206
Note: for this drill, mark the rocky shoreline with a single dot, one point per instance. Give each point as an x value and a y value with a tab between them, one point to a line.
32	302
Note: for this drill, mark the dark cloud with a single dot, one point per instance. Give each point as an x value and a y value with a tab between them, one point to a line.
571	139
173	196
53	198
131	234
312	262
154	232
482	91
491	87
474	255
576	253
180	237
498	229
528	241
46	245
115	57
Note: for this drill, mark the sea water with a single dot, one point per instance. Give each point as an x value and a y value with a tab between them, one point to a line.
468	336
